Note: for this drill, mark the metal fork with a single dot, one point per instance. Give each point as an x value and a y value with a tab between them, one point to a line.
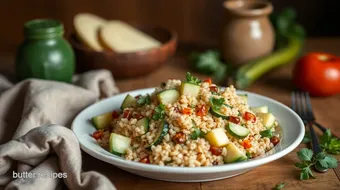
312	118
302	105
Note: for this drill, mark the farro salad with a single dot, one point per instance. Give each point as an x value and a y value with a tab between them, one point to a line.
189	123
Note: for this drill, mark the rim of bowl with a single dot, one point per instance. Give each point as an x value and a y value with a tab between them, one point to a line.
173	39
195	170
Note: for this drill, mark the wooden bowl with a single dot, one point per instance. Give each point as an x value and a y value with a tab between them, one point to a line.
127	64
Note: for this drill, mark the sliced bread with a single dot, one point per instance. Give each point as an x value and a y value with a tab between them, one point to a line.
87	27
122	38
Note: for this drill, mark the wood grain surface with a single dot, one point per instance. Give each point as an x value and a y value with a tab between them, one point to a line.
276	85
196	21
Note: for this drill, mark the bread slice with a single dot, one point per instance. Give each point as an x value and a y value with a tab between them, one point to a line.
87	27
123	38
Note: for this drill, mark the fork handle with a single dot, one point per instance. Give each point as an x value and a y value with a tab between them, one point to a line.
315	143
323	129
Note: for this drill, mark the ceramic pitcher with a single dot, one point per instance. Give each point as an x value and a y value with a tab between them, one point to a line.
247	33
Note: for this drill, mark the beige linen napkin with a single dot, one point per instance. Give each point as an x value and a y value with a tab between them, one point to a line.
37	148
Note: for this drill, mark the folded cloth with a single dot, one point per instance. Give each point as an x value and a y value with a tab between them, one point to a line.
37	148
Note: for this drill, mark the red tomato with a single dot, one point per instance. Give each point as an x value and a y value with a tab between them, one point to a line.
201	111
213	88
274	140
234	119
186	111
208	80
97	134
138	116
250	117
127	114
216	150
246	144
115	114
145	160
179	138
318	73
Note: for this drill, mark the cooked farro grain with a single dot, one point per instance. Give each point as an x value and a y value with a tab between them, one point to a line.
192	129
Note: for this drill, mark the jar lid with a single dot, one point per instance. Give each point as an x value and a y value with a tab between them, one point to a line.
43	28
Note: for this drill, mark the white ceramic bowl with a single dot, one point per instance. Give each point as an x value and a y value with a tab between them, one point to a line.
292	126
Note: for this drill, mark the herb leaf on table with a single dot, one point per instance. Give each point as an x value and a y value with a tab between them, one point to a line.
329	143
279	186
308	159
305	154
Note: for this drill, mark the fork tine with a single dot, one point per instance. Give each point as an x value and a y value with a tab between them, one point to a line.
300	98
298	103
293	100
309	105
303	99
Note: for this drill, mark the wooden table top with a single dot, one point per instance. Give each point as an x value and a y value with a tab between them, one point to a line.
276	85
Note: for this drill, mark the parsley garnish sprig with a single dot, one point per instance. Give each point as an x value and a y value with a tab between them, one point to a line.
196	134
142	100
308	159
192	79
266	133
217	103
159	112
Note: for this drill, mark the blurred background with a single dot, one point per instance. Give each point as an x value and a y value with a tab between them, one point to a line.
207	39
196	21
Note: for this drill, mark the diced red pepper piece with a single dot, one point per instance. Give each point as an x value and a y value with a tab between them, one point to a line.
145	160
115	114
98	134
138	116
246	144
186	111
179	138
275	140
250	117
234	119
201	111
127	114
213	88
216	150
208	81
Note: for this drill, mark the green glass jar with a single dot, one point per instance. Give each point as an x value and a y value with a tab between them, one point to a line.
45	54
